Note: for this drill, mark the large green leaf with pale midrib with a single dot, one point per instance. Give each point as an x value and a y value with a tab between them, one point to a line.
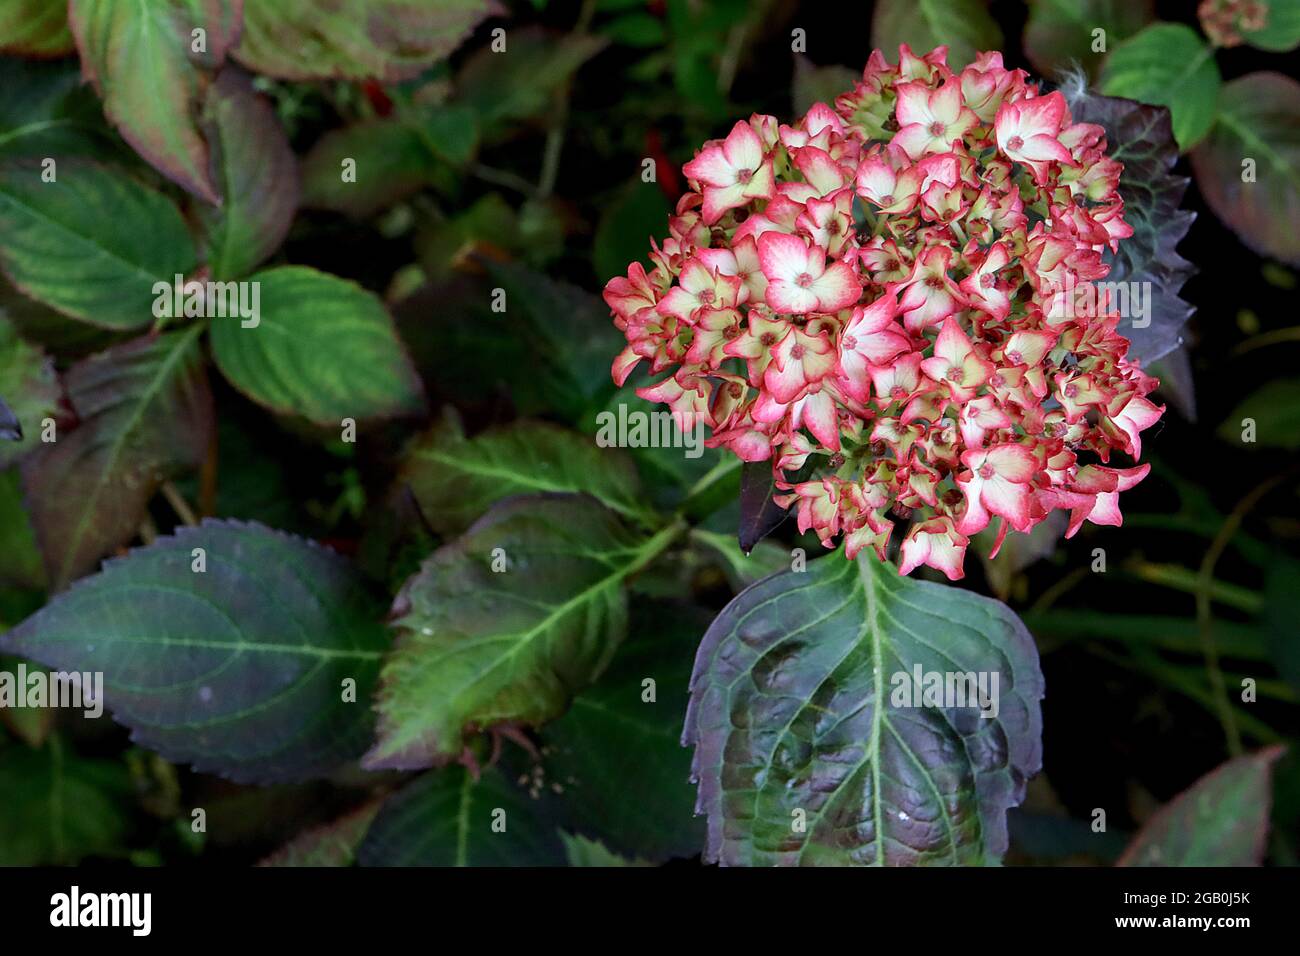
455	479
1171	65
144	413
238	669
793	709
479	647
447	818
617	752
324	349
91	244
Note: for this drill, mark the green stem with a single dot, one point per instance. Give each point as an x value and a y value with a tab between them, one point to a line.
1179	578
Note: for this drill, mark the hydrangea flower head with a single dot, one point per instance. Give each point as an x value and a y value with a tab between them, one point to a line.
887	291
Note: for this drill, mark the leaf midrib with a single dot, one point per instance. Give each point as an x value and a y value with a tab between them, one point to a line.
183	341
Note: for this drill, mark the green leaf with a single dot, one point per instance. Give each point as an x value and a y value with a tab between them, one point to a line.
1059	33
256	172
29	387
588	853
60	808
1259	120
505	624
333	844
1221	820
240	669
797	716
669	474
518	84
741	569
570	337
1168	64
92	244
35	27
20	559
1281	30
388	40
455	479
324	349
394	157
144	412
45	111
141	58
964	25
447	818
617	755
30	724
1275	410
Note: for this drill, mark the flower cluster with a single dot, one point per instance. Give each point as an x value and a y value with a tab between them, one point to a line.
882	296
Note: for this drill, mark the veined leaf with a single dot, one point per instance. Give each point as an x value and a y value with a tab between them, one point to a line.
447	818
393	156
1141	137
568	334
1168	64
91	244
1281	30
60	808
617	753
964	25
388	40
505	624
1259	122
243	668
333	844
35	27
144	411
813	746
1059	33
456	479
146	58
324	349
29	391
45	111
1221	820
256	172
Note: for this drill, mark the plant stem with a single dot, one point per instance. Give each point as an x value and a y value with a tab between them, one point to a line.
1182	579
179	504
1204	618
